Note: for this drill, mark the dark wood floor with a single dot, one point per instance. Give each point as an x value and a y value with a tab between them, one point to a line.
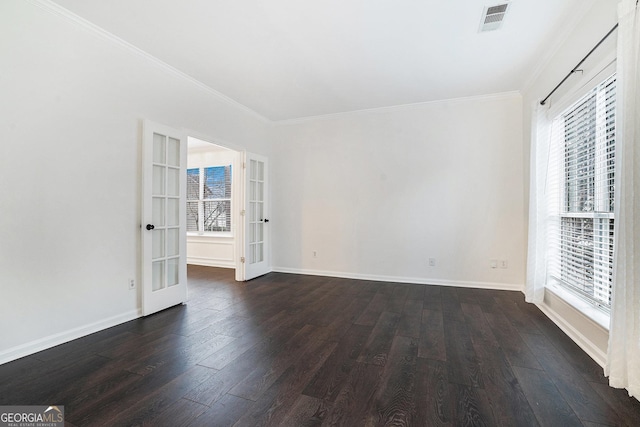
304	351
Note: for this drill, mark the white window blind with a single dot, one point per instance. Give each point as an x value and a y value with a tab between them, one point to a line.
581	195
209	199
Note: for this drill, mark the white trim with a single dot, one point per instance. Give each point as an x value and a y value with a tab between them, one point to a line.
212	262
586	343
211	234
558	43
55	9
416	105
58	10
588	310
60	338
402	279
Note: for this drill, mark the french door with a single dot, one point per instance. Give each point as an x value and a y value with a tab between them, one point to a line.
164	261
255	259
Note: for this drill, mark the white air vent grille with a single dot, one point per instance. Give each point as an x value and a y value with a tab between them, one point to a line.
492	17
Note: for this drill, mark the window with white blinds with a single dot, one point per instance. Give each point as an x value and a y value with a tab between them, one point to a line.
209	199
581	184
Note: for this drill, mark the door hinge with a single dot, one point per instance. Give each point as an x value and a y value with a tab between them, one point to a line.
244	165
242	259
243	212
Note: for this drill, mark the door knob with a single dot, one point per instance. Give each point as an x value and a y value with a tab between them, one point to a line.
150	227
266	220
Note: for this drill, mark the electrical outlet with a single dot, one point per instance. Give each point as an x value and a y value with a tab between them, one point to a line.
432	262
504	264
132	284
493	263
315	254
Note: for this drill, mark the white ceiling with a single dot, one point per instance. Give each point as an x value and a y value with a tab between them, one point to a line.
287	59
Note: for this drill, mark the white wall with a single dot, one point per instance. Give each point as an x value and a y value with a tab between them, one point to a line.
378	193
215	249
70	113
592	26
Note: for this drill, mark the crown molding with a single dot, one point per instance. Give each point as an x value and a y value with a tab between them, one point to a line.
60	11
413	106
571	26
55	9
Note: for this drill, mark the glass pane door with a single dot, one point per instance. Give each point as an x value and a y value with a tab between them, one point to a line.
256	212
165	214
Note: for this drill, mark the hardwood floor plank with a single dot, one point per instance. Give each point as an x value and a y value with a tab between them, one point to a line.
472	406
140	398
225	412
581	361
517	318
341	321
432	299
410	318
394	403
544	398
330	378
505	396
396	297
33	390
148	406
433	396
306	411
355	403
432	336
187	351
511	342
377	346
180	413
627	407
415	292
279	325
102	386
265	374
272	406
196	322
324	316
482	297
141	345
450	304
371	314
212	389
575	390
481	333
464	367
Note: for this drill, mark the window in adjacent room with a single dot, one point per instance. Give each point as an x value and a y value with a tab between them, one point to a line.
209	199
582	183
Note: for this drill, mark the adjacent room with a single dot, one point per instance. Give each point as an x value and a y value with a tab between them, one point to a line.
339	213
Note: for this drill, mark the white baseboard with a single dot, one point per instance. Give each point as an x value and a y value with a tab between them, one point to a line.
210	262
401	279
60	338
583	330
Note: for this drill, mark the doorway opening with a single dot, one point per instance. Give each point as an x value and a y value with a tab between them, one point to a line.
213	204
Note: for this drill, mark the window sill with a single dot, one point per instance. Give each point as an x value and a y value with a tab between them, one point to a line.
221	234
593	313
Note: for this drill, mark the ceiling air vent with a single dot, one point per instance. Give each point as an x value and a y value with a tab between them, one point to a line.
493	16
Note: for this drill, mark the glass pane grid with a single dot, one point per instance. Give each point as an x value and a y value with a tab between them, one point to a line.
584	233
209	199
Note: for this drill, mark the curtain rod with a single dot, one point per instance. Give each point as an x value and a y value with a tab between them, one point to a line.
579	64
